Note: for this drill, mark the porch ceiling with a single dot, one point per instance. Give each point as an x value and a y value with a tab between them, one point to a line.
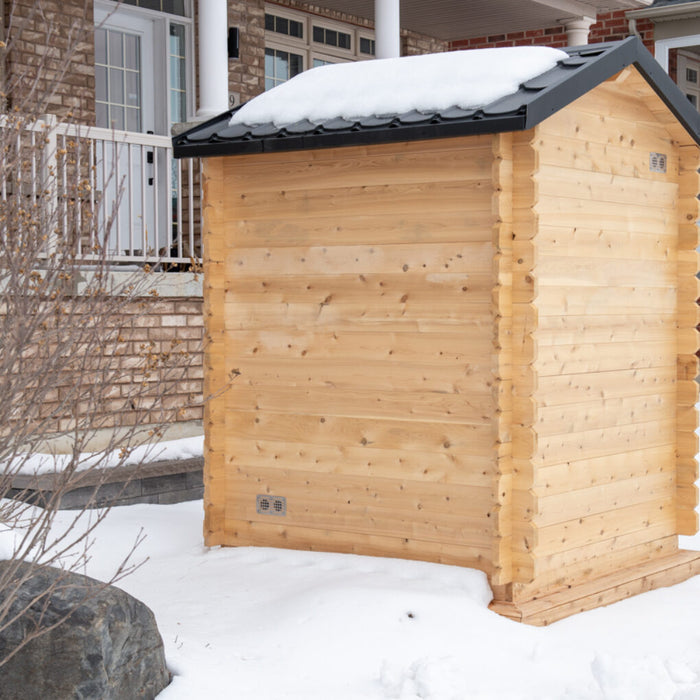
462	19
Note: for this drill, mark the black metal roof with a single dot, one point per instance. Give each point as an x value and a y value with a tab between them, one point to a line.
535	100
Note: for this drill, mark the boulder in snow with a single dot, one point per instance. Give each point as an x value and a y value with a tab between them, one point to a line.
108	648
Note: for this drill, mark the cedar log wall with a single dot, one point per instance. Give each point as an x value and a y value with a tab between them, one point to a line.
476	351
354	296
604	445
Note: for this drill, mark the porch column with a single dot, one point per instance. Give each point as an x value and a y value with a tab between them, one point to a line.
577	30
213	58
387	28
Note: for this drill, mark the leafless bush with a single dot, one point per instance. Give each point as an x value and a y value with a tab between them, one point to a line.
64	333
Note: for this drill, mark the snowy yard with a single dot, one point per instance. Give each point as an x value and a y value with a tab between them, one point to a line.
264	624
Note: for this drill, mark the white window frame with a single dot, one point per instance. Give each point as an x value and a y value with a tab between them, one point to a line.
307	47
689	60
663	46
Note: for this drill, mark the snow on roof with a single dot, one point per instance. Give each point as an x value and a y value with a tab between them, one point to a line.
466	79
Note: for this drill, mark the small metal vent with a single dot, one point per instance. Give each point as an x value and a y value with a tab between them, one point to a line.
270	505
657	162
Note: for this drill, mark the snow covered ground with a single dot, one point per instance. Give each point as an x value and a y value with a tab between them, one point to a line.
264	624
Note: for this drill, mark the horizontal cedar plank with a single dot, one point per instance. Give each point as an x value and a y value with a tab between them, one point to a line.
572	152
469	380
245	533
473	161
568	330
365	403
407	346
596	301
354	287
388	316
602	357
571	562
451	530
566	506
553	449
649	241
445	146
366	462
605	413
363	229
580	474
454	258
444	438
559	270
450	195
603	188
658	520
333	496
559	211
586	124
628	94
406	498
616	567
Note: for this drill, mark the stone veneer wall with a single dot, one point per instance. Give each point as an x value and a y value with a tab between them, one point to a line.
246	76
54	40
148	328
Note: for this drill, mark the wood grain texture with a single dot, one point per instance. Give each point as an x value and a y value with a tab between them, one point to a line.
477	350
362	326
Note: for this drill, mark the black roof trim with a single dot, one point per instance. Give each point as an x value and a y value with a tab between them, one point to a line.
535	100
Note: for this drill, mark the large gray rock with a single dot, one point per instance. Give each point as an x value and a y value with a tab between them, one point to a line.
108	648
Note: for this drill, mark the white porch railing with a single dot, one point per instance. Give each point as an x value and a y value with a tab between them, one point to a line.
140	203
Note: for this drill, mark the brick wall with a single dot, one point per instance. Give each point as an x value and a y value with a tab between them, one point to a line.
611	26
413	44
246	75
148	329
157	326
54	41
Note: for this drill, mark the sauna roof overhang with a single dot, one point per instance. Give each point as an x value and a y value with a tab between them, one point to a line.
584	68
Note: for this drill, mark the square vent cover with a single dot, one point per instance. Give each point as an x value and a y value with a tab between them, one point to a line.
270	505
657	162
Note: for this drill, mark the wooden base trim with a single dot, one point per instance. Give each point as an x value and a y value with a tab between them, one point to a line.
665	571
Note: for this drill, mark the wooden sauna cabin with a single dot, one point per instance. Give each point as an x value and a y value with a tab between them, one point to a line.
463	335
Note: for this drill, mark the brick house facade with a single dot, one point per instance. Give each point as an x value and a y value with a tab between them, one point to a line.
610	26
41	39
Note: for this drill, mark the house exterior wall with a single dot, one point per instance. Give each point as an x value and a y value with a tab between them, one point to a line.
610	26
350	294
53	41
247	73
149	330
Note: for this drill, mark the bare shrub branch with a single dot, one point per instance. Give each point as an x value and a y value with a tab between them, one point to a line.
71	361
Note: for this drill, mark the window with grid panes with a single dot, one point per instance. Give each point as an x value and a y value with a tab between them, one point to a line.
296	41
